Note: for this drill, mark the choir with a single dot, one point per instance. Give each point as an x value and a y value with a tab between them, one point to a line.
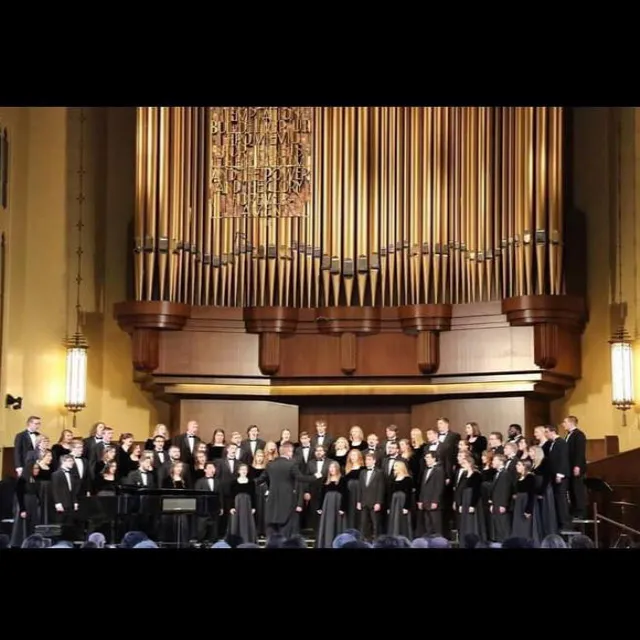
435	482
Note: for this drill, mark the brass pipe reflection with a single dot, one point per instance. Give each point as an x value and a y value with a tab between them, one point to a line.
151	223
142	160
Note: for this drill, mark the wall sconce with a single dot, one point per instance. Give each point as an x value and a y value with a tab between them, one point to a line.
13	402
76	385
622	383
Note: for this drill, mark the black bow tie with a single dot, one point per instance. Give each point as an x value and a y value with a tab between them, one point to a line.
190	436
144	473
67	470
369	468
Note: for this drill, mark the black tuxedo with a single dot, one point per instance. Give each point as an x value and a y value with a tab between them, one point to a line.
377	452
577	452
142	508
247	451
298	457
67	496
183	443
84	479
448	451
558	464
372	492
157	462
327	443
22	445
96	452
432	493
501	495
209	509
88	444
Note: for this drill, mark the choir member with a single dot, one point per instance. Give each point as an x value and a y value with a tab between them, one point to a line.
524	503
391	436
45	493
24	442
199	464
487	474
495	442
400	501
511	458
353	469
210	507
160	454
81	467
500	499
467	500
285	438
63	446
64	487
105	483
270	451
374	447
340	451
318	468
302	454
28	512
322	437
388	463
242	503
448	439
372	494
162	431
249	446
356	438
187	442
107	455
418	444
477	442
123	456
433	444
523	449
559	472
93	440
334	504
255	473
99	448
405	451
577	453
175	527
545	510
514	433
430	495
215	449
42	447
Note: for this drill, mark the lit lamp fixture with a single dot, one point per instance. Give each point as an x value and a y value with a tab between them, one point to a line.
622	371
76	387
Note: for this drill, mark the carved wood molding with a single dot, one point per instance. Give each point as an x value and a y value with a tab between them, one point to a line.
426	321
552	317
270	323
144	321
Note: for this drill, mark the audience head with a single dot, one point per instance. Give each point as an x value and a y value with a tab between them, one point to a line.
146	544
294	542
4	541
354	533
63	544
581	542
233	540
221	544
517	543
342	539
438	542
553	541
420	543
89	545
275	541
131	539
248	545
391	542
98	539
471	541
34	541
357	544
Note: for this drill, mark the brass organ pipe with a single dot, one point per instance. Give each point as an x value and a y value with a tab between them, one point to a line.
327	196
393	203
446	202
374	211
315	224
456	197
152	205
415	207
207	205
511	182
557	219
337	193
473	249
216	233
142	159
490	212
529	183
362	263
540	212
497	200
465	199
174	212
482	211
404	286
384	203
348	204
163	208
197	233
426	241
186	204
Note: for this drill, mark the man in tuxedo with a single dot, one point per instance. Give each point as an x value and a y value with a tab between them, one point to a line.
540	435
448	441
227	472
514	433
390	459
97	450
373	447
317	470
430	496
322	438
577	451
495	442
302	455
210	507
80	468
391	435
64	489
372	493
500	496
249	446
24	442
93	440
160	456
558	473
283	478
143	507
188	442
511	461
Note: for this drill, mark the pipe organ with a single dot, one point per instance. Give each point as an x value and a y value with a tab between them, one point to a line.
406	206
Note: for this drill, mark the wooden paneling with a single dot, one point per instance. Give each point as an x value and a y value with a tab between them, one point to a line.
341	417
231	415
536	412
492	414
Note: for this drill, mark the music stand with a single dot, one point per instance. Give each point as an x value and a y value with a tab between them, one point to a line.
178	506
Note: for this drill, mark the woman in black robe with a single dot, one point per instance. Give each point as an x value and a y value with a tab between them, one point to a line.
27	508
400	502
524	504
544	515
468	500
477	442
340	452
353	468
176	527
45	495
487	473
242	503
255	473
215	449
199	463
160	430
334	499
356	439
62	447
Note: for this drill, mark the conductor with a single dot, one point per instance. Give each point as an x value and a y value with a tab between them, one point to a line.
283	478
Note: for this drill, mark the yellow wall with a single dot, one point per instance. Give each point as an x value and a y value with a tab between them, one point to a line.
595	194
41	267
